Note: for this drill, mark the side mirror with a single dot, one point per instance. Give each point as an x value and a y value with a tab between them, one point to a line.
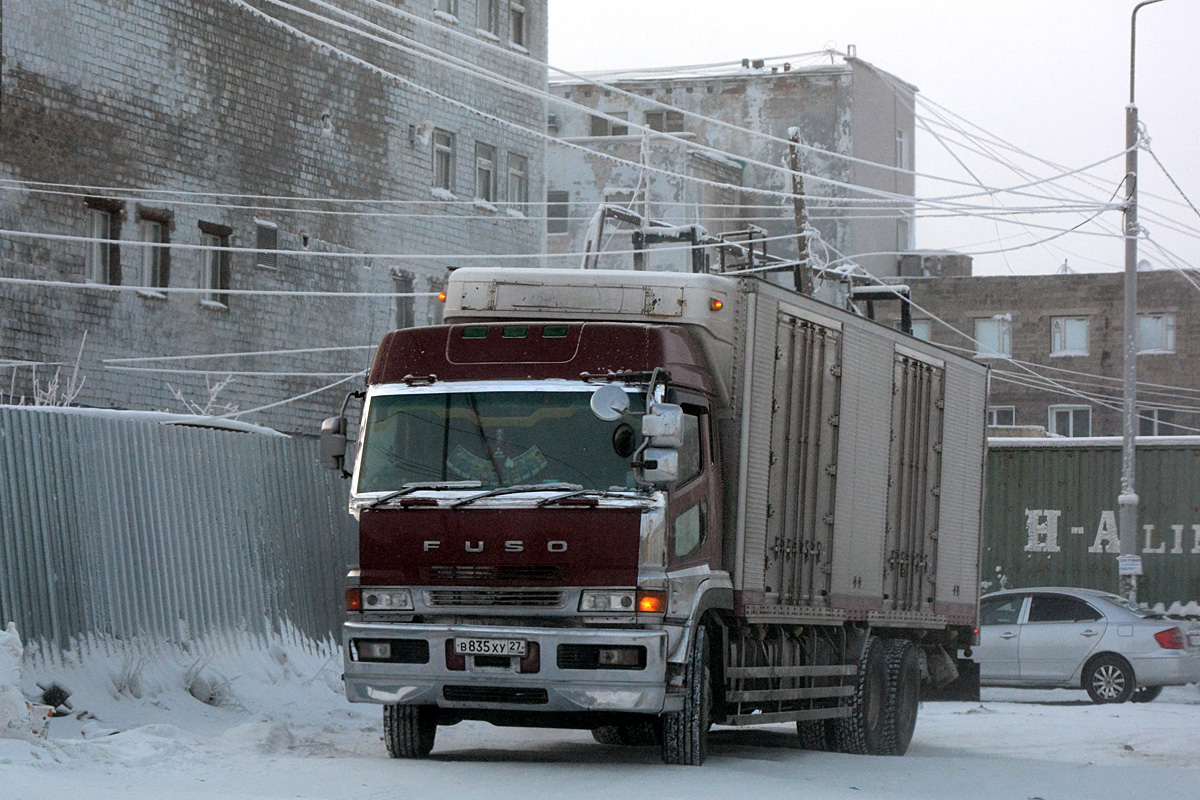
333	443
658	465
663	425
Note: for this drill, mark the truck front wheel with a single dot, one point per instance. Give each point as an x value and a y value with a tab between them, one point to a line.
685	733
409	730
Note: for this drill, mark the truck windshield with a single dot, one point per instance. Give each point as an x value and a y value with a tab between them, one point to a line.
497	438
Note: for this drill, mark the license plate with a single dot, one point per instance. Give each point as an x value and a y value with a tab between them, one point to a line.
489	647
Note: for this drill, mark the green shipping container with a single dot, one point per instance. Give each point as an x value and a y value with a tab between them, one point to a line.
1050	516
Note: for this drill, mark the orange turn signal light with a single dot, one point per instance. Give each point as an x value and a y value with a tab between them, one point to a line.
716	304
354	599
651	602
441	297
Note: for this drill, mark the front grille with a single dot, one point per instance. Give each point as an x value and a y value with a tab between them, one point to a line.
495	694
508	598
494	574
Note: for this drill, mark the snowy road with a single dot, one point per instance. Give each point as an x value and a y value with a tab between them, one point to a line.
281	730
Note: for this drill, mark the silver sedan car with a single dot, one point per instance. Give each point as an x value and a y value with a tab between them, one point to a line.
1080	638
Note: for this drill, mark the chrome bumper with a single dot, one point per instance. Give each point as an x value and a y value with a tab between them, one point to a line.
550	688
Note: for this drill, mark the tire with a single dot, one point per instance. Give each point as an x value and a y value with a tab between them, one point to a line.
638	734
1145	694
1108	679
409	731
816	734
903	696
685	733
861	733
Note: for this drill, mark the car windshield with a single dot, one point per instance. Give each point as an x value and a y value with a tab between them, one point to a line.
499	438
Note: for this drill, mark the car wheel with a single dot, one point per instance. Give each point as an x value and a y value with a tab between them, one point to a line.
1145	694
685	733
861	733
1108	679
409	731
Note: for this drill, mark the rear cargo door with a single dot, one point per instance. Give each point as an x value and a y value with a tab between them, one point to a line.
914	482
802	464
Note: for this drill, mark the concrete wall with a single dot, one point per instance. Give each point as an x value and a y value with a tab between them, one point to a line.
160	98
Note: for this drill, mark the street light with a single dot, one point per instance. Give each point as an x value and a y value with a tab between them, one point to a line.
1130	563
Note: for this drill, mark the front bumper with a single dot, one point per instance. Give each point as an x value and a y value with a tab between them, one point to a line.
550	688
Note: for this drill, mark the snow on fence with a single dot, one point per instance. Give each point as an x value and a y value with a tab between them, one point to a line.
149	526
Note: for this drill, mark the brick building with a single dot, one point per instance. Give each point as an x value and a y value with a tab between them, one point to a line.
138	138
860	116
1069	328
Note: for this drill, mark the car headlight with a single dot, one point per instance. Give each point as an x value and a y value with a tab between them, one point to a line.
387	600
607	600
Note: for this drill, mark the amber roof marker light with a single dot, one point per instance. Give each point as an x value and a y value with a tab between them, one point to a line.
441	297
716	304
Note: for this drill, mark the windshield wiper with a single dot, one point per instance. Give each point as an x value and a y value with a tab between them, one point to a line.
586	493
528	487
437	486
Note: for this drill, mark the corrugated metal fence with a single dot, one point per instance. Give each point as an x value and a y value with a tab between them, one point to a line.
122	526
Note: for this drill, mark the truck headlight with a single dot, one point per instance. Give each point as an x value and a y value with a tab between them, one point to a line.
387	600
607	600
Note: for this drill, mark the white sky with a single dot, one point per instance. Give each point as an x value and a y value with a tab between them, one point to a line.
1051	77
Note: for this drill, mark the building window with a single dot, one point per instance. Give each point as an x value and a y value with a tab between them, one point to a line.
488	19
665	121
558	206
516	24
443	160
923	329
1002	415
602	126
485	172
1159	422
448	7
155	230
102	262
901	151
402	285
904	228
214	263
1156	333
1071	421
266	237
1069	336
993	337
518	180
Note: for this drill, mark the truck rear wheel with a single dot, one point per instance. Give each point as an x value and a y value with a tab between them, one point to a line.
639	734
409	731
816	734
861	733
903	695
685	733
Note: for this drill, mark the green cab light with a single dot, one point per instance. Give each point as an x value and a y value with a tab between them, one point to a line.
475	332
554	332
516	331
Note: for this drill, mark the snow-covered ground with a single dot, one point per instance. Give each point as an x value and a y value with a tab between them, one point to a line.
277	726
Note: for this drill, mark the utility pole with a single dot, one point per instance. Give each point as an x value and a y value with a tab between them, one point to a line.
1130	563
801	273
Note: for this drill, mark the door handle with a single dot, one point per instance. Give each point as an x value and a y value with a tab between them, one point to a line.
1089	633
1008	635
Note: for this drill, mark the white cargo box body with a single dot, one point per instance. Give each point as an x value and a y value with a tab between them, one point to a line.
853	454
